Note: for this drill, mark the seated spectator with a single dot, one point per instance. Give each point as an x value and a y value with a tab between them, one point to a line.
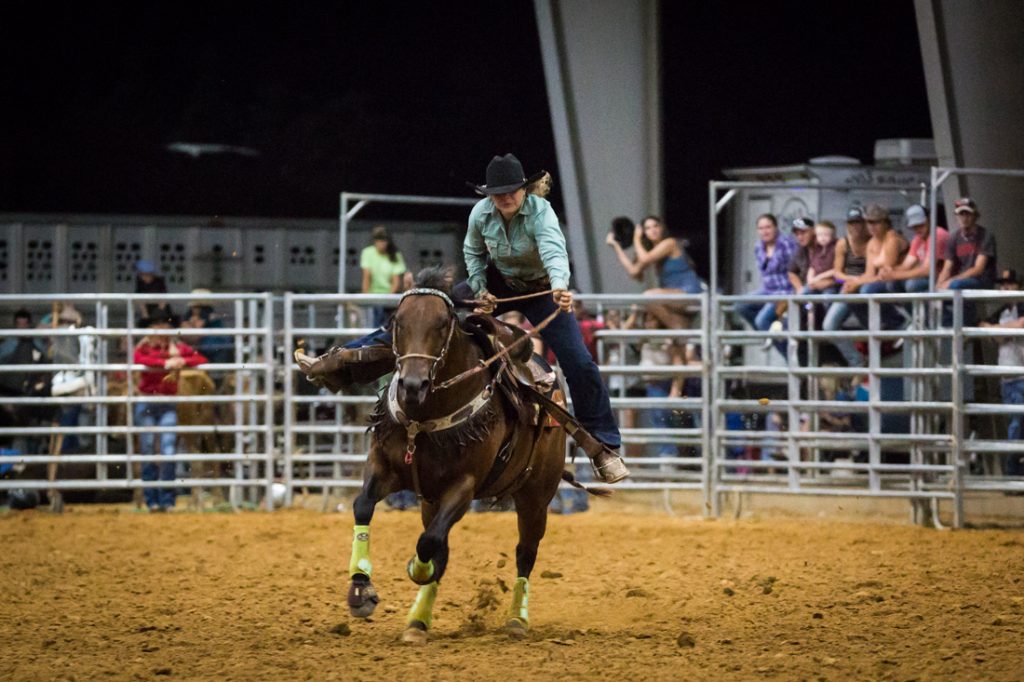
773	253
68	349
19	350
800	263
911	274
657	352
970	259
1011	354
822	270
149	281
218	348
166	357
850	264
885	249
654	247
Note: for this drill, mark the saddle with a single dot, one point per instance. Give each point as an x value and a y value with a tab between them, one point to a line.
527	368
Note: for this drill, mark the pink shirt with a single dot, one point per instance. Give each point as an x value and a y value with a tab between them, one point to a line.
919	247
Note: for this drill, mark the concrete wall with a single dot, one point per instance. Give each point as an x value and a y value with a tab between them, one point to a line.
601	70
973	56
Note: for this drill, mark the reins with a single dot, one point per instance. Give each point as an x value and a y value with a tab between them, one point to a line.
484	364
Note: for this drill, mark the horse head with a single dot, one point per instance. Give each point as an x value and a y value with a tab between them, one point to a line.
423	327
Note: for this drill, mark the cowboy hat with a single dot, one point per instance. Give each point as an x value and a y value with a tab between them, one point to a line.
504	175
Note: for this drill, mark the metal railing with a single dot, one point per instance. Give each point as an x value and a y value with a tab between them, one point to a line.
913	443
113	334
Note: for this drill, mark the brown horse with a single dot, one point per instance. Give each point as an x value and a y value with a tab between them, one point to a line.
470	440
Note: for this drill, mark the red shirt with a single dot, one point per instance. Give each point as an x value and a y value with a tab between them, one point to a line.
919	247
153	382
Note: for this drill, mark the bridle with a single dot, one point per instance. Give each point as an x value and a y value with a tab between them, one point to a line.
437	360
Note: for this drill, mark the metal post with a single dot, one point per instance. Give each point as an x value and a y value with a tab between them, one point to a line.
957	398
793	382
252	433
288	409
129	413
712	501
102	445
874	396
268	381
707	415
235	492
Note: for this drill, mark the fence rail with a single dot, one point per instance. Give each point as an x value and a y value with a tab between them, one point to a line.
760	427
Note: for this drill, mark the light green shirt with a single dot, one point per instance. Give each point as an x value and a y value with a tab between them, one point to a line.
533	246
382	270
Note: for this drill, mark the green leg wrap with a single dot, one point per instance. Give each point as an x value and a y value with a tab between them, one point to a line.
422	610
421	573
360	562
520	602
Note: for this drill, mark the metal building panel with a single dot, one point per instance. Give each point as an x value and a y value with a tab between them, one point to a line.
10	265
128	247
173	251
262	250
218	264
86	259
305	266
39	259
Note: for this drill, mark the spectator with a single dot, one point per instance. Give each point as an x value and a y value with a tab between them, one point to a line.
773	252
1011	354
589	326
667	255
822	270
166	356
19	350
202	316
911	274
68	349
383	267
517	319
850	264
22	350
800	263
655	352
970	261
148	281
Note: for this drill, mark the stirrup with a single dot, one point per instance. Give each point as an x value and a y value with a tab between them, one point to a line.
609	467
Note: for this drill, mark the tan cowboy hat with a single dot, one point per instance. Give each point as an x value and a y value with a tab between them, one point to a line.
198	298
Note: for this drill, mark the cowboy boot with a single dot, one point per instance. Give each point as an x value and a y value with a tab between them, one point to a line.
608	466
340	368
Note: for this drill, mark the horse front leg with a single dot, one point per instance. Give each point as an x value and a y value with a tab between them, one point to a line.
377	483
427	566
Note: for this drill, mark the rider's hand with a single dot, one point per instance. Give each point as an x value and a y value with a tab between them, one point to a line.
563	299
488	302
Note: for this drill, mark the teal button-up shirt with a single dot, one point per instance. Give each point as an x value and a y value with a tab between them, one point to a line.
533	246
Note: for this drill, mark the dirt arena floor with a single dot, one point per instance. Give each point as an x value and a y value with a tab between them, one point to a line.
112	594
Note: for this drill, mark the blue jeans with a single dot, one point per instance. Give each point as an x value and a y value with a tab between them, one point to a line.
659	418
563	337
891	318
759	315
157	414
970	308
1013	394
837	314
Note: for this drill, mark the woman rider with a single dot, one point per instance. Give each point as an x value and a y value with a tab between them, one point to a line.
514	246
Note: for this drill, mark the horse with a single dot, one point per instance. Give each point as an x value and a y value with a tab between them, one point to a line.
452	443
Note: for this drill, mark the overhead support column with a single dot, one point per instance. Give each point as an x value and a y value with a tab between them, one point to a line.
601	66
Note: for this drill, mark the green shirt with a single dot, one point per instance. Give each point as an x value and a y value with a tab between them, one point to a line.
382	270
533	246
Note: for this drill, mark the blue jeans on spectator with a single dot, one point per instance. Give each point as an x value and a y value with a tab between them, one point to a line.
660	418
1013	394
563	336
889	314
837	314
157	414
970	308
759	315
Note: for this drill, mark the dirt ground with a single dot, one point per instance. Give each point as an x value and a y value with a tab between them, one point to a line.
112	594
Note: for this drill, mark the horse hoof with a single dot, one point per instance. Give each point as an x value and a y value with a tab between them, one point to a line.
516	628
362	599
416	633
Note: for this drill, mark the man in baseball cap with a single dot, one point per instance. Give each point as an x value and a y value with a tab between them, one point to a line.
911	275
970	259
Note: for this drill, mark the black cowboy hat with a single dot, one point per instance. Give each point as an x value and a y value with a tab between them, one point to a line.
623	228
504	175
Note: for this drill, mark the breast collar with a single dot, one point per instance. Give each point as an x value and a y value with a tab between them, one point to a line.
449	421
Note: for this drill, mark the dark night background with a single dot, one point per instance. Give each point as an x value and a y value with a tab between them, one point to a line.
414	99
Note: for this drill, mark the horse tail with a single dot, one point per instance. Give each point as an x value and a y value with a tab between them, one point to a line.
596	492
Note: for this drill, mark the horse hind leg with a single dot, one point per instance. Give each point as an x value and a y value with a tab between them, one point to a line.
532	512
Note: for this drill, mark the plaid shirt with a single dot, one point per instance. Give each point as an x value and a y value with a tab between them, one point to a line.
774	269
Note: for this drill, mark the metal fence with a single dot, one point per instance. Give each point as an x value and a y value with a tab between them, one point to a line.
98	409
924	423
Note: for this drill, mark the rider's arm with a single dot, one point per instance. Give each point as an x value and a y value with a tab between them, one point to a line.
474	250
551	246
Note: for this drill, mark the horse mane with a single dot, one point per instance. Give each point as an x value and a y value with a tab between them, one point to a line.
437	277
